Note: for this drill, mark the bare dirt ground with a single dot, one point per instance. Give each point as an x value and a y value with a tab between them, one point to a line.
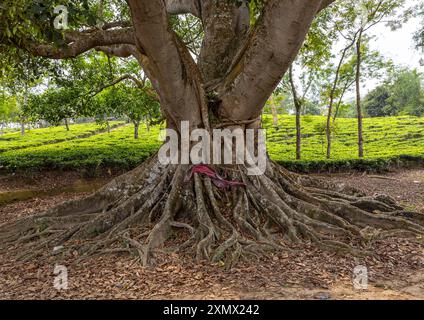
304	272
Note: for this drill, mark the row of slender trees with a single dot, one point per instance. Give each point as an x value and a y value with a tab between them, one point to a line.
336	59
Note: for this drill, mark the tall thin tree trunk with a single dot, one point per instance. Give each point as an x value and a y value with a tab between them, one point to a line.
136	129
274	115
346	86
298	134
22	122
66	124
22	117
332	97
328	130
298	107
148	124
358	96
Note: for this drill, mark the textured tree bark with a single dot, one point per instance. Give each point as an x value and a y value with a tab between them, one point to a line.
183	6
176	75
226	26
284	25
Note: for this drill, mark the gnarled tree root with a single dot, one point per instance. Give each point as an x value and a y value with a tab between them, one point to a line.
154	208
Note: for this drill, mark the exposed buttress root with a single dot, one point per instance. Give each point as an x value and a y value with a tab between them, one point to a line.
154	208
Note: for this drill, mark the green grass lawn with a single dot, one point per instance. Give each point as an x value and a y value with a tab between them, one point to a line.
388	141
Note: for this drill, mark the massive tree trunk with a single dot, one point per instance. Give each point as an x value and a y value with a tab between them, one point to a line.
218	212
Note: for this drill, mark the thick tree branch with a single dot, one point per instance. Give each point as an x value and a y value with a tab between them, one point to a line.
266	57
226	26
119	50
296	101
110	25
79	43
178	78
183	7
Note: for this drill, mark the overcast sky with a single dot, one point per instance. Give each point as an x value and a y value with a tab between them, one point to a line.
397	45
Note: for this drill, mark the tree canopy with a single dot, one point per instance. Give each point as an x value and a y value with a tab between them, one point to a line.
402	94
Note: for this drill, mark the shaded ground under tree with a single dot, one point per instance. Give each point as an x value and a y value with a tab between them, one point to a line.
238	68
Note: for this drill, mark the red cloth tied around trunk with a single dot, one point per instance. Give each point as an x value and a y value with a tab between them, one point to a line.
211	173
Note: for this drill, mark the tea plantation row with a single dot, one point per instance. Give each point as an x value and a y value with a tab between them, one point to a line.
388	142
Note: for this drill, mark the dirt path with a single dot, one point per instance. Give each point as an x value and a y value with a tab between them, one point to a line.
304	272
